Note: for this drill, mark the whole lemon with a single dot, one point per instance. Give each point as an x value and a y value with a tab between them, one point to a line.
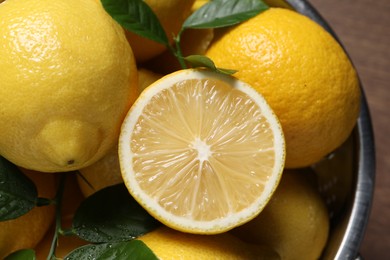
101	174
27	230
146	77
295	221
68	77
167	243
192	41
198	4
303	73
171	14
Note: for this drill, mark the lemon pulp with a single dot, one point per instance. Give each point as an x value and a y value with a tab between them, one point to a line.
199	152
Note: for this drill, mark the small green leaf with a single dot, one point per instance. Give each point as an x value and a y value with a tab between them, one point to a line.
198	61
137	17
222	13
134	249
18	194
112	215
23	254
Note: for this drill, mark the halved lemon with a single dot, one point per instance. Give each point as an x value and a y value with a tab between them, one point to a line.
201	151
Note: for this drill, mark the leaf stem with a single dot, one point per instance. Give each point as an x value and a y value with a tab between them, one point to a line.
58	203
177	51
67	232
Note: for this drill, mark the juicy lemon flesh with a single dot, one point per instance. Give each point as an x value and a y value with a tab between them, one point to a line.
203	151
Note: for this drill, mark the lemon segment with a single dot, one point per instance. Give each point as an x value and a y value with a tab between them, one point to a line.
201	151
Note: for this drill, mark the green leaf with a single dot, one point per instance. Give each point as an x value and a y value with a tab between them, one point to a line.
18	194
198	61
137	17
222	13
23	254
112	215
134	249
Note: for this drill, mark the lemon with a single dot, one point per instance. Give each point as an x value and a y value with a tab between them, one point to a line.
193	41
68	78
201	151
146	77
103	173
26	231
304	75
295	222
198	4
171	14
278	3
167	243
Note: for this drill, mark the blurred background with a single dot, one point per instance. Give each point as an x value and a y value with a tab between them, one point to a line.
363	26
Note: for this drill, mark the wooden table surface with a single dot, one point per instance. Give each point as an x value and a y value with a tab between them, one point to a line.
363	28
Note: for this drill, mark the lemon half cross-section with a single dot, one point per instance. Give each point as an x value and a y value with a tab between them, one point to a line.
201	151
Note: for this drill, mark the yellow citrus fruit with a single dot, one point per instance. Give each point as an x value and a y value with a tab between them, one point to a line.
304	75
68	78
201	151
196	41
167	243
198	4
295	222
26	231
171	14
193	41
146	77
278	3
103	173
